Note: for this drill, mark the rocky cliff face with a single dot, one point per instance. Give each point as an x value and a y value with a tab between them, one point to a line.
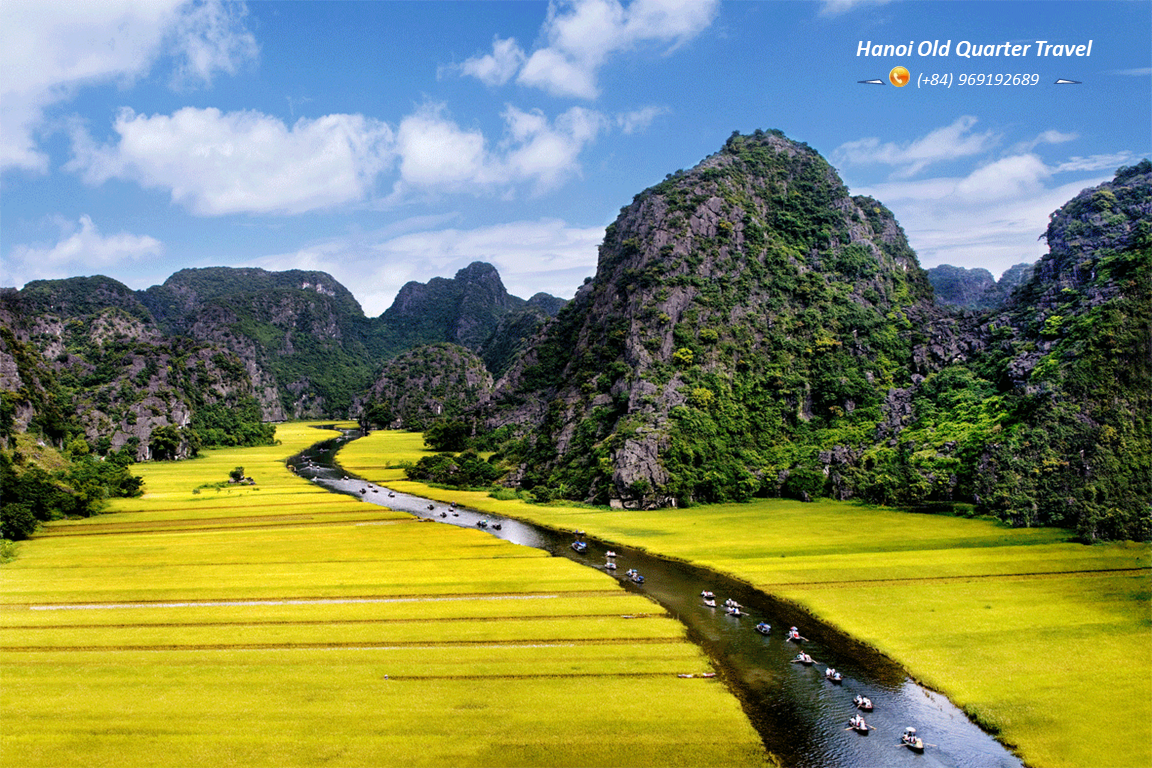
975	288
302	336
958	286
753	329
82	355
1072	353
297	342
472	309
439	381
733	306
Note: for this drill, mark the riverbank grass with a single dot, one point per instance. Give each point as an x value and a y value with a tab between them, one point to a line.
1043	640
279	624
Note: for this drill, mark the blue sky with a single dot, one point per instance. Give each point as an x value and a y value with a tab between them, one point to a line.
391	141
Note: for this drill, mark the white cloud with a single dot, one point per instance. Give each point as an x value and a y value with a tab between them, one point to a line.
498	67
837	7
1097	162
1014	177
209	38
438	155
81	249
547	255
990	218
549	153
216	163
48	51
581	35
639	119
552	71
947	143
1051	136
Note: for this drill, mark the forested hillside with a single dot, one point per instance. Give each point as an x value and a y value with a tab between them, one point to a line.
754	330
976	288
94	374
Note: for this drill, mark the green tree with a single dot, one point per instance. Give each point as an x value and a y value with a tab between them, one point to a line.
165	442
447	436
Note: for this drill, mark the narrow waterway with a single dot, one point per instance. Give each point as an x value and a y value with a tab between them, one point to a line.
801	716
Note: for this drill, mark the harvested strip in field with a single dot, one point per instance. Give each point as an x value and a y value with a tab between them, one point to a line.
408	608
304	601
550	629
853	583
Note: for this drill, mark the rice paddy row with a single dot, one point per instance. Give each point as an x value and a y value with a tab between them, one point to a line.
1044	641
279	624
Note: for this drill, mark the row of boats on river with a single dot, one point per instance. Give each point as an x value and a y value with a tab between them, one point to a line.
863	704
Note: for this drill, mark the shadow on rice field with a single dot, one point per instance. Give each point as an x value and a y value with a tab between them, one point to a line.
279	624
1045	642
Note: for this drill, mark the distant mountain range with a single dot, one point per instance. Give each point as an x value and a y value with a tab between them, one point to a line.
293	344
752	329
976	288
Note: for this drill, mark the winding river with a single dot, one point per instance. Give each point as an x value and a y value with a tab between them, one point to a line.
801	717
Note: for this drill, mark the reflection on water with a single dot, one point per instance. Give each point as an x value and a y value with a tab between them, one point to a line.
801	717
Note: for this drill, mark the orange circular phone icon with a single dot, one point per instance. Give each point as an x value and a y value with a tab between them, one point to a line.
899	77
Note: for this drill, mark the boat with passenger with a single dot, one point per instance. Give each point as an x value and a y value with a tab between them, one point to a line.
856	723
911	740
803	658
833	676
764	628
862	703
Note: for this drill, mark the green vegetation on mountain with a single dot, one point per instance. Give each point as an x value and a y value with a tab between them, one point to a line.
302	331
753	330
976	288
745	315
473	310
436	381
87	359
958	286
214	352
41	484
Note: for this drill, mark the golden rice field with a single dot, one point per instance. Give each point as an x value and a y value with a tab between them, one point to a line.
279	624
1045	642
